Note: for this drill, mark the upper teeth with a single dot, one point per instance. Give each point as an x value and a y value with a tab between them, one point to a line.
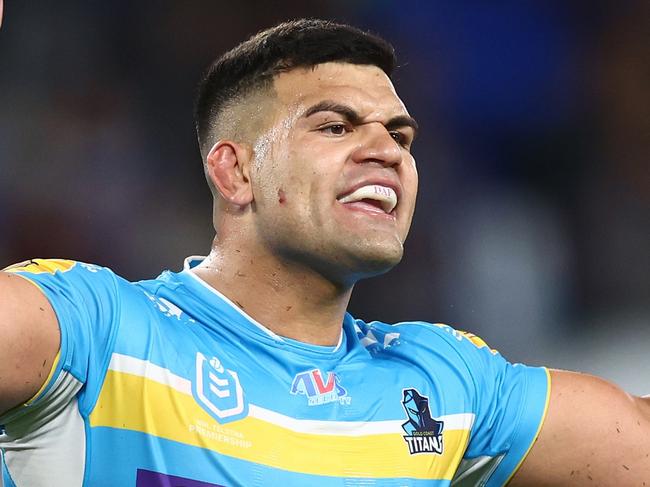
385	195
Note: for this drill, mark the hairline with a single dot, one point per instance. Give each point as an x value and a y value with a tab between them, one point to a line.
266	83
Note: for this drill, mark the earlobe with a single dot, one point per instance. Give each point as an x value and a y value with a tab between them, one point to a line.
227	168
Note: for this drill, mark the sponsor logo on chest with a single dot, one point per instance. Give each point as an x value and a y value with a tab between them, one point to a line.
320	388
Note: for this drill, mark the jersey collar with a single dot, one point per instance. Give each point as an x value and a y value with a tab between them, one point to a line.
192	261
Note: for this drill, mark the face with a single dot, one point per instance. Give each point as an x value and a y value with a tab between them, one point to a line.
334	181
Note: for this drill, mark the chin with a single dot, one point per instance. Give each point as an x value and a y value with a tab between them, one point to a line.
374	260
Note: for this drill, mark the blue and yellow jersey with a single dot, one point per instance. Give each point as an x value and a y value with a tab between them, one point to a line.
166	382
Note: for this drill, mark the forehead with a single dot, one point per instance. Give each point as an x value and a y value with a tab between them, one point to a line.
367	89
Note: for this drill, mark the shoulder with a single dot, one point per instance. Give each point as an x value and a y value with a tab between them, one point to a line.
75	283
67	271
56	267
419	335
433	347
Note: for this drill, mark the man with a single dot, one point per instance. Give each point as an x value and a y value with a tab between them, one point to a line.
244	368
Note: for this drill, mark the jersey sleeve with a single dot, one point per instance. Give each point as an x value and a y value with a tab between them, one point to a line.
510	404
85	300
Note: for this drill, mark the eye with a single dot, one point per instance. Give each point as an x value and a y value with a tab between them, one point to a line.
335	129
400	138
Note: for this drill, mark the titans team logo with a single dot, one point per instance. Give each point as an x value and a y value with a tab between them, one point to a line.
318	390
423	433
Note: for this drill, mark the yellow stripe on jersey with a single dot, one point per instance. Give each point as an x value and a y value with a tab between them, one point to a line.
476	340
167	413
41	266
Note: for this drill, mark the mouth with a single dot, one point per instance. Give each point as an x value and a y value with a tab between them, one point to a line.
377	199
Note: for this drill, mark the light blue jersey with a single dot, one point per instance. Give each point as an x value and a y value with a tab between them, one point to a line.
166	382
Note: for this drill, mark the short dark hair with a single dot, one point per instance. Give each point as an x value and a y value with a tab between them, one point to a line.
295	44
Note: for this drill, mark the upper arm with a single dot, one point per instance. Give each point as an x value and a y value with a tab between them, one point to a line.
593	434
29	340
507	401
49	306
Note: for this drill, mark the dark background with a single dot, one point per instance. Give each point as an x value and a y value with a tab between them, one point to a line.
532	228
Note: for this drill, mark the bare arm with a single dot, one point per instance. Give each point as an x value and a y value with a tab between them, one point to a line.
29	340
594	434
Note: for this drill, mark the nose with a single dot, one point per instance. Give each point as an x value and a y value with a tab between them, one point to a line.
377	145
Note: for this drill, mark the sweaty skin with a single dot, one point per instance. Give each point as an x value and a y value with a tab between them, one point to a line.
279	203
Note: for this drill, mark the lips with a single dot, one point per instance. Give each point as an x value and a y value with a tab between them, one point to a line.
384	195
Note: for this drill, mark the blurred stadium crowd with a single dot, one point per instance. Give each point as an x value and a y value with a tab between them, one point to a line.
532	228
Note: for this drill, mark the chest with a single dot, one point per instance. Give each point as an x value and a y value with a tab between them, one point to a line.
234	415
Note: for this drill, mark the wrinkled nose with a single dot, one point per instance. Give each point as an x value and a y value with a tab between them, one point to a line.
377	145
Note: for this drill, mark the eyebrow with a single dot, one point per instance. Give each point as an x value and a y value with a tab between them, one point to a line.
352	116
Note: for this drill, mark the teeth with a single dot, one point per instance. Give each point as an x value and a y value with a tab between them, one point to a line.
385	195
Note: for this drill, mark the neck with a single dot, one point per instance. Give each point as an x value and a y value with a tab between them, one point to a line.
289	299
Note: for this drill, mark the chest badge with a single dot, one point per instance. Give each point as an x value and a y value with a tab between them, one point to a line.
423	433
217	389
319	389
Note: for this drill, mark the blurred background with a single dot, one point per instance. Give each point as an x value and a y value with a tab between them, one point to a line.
533	226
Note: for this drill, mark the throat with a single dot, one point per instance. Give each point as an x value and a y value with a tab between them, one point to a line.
292	304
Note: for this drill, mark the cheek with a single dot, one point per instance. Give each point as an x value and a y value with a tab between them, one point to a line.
286	194
410	181
306	179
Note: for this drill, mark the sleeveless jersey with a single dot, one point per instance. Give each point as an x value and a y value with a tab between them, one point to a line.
166	382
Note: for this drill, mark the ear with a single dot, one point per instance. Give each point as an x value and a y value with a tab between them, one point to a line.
227	167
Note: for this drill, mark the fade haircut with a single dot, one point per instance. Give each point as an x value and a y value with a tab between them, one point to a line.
253	64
